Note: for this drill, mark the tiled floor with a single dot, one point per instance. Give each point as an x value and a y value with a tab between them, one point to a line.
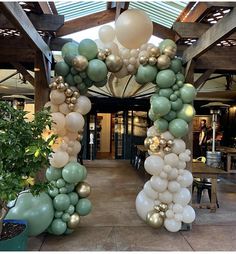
114	225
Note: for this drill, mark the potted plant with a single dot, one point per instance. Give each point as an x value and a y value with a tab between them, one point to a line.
23	153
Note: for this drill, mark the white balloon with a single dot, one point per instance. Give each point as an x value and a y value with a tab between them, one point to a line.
187	151
113	47
58	121
173	174
178	217
173	186
166	197
177	208
143	205
152	131
167	168
59	159
57	97
125	53
182	197
74	122
172	225
158	184
64	146
150	193
167	135
181	165
106	33
132	60
169	214
75	148
130	68
154	164
83	105
143	53
184	157
171	159
63	108
163	175
134	52
53	107
126	62
188	214
99	43
186	179
179	146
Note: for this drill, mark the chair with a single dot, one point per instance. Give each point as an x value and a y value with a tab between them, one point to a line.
202	184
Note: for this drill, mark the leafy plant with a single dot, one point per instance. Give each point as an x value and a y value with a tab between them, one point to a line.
23	152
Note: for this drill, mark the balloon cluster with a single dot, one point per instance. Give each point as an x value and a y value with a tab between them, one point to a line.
155	144
69	192
155	218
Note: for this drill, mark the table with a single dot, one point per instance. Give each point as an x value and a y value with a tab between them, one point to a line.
202	170
229	151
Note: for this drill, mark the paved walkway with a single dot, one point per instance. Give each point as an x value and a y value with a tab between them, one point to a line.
113	225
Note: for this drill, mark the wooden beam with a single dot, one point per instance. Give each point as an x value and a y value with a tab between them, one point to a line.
20	68
163	32
189	71
18	55
203	78
86	22
217	32
16	15
222	4
218	94
53	7
9	76
185	11
196	13
45	7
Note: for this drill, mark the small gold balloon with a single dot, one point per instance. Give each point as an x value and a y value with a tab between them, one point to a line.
162	214
114	63
53	85
76	94
143	60
80	63
154	219
170	51
73	100
101	55
155	51
152	60
74	221
155	140
66	85
107	52
154	148
157	208
68	92
163	62
59	79
163	207
147	142
61	87
67	100
170	143
83	189
71	106
162	142
167	149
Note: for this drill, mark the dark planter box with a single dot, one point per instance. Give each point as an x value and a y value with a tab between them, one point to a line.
17	243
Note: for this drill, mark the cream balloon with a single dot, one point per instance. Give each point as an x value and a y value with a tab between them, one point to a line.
83	105
74	122
106	34
181	165
59	159
53	107
99	43
163	175
148	190
178	217
167	169
158	184
173	174
63	108
70	136
121	73
152	131
134	53
182	197
113	47
133	28
154	164
186	179
170	214
172	225
167	135
76	148
173	186
184	157
179	146
188	214
58	121
143	205
166	197
57	97
171	159
177	208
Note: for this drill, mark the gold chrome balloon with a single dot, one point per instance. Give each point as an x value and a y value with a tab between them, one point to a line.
148	142
61	87
170	51
114	63
163	207
154	51
68	92
74	221
76	94
170	143
101	55
80	63
67	100
83	189
143	60
162	214
152	60
71	106
154	148
73	100
155	140
59	79
107	52
167	149
162	142
66	85
154	219
53	85
157	208
163	62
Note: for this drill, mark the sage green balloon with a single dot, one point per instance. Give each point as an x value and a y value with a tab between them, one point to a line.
160	106
58	214
74	198
145	74
53	173
97	70
60	183
83	74
170	116
175	87
68	231
53	192
153	97
70	47
83	91
88	48
58	227
180	83
161	125
176	105
180	77
61	202
177	93
173	97
178	128
73	172
152	116
73	71
176	65
69	79
36	210
84	173
81	86
188	93
165	92
187	113
68	58
101	83
165	78
62	68
165	43
83	207
65	217
70	187
71	209
88	82
78	79
63	190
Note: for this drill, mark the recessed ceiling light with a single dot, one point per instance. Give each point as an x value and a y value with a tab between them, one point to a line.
226	11
216	14
210	19
26	9
219	17
213	22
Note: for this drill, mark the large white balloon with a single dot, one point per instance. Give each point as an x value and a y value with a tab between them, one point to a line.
158	184
166	197
188	214
83	105
186	179
59	159
172	225
147	188
57	97
154	164
171	159
179	146
53	107
74	122
143	205
58	121
182	197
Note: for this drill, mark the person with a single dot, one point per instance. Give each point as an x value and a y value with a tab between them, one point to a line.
203	137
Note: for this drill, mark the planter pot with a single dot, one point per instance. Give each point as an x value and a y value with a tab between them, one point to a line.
17	243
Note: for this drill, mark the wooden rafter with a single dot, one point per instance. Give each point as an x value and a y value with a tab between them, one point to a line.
45	7
217	32
185	12
196	12
163	32
203	78
21	69
189	71
53	7
16	15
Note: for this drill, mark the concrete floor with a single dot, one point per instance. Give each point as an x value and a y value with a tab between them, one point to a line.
113	225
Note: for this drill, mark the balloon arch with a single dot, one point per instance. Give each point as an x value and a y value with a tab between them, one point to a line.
164	198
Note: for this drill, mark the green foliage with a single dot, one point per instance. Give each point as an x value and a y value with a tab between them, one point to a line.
23	151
